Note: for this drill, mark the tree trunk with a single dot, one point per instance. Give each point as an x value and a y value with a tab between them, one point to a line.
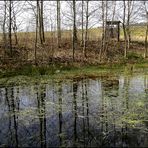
124	30
82	42
86	29
74	42
36	33
14	26
146	35
58	24
103	32
52	42
128	25
104	26
39	21
10	27
105	35
4	25
42	21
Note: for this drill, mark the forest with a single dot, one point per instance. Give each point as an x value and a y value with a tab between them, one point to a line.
72	32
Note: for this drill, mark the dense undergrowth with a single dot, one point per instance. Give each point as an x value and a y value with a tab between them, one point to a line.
63	66
29	74
54	68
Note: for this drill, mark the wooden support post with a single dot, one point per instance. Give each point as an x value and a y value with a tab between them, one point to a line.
118	32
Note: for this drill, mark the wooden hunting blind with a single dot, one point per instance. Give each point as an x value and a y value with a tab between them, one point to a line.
113	29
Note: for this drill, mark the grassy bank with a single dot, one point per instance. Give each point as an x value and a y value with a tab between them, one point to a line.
27	73
35	74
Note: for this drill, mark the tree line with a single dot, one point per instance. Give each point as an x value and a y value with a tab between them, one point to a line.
77	15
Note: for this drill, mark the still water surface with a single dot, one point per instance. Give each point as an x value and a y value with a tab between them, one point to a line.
104	111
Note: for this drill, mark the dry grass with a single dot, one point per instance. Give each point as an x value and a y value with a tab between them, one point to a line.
137	34
25	49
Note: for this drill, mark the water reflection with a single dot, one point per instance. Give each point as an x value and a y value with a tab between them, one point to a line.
41	107
60	113
110	112
13	107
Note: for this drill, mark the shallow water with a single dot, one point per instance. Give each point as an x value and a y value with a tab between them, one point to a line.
105	111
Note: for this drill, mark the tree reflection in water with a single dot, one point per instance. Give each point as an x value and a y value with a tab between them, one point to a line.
41	99
110	112
13	109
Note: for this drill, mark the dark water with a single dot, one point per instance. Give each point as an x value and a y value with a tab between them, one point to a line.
106	111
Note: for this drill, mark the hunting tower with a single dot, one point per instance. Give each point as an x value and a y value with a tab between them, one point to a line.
113	29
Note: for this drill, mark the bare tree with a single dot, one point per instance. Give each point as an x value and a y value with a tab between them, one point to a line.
4	25
104	20
82	40
103	31
42	20
86	29
124	28
146	33
10	27
14	26
74	42
129	9
39	21
36	32
114	10
58	24
127	16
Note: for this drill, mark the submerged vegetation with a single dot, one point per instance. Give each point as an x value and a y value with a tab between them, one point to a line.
31	74
109	109
132	60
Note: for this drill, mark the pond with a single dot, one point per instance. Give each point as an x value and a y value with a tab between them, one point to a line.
109	111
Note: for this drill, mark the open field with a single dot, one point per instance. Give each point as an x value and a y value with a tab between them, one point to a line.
137	34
